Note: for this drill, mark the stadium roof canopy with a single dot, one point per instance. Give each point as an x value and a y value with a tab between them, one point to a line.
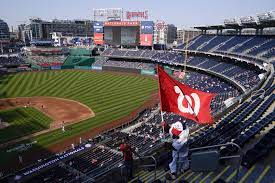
246	26
264	20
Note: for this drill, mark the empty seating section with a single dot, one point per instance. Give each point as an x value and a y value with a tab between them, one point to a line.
124	64
250	46
194	61
211	84
232	42
94	161
108	52
269	53
260	149
119	52
133	53
141	144
11	61
208	63
237	71
269	44
203	39
248	78
148	54
47	61
214	42
238	126
55	174
252	42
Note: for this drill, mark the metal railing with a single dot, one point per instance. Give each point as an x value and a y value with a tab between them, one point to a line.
154	165
239	155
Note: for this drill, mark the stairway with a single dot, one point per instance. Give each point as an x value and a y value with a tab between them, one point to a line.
256	174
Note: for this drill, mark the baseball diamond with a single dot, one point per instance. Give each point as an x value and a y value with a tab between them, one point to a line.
108	95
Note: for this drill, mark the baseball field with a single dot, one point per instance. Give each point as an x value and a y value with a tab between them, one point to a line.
108	96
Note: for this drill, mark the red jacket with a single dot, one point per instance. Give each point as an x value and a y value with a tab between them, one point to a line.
127	152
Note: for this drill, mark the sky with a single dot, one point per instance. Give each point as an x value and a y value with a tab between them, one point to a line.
182	13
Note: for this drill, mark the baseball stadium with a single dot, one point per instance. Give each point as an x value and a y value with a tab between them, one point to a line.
70	106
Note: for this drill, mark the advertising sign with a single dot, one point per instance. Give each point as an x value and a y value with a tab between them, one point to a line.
146	39
98	30
160	25
147	27
137	15
98	38
122	23
98	27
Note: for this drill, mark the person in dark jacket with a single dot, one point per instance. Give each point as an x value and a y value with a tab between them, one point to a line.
127	151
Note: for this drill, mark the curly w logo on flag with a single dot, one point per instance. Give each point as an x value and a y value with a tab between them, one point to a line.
183	100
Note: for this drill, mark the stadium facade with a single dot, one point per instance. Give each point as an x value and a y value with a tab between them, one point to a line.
4	32
38	29
184	35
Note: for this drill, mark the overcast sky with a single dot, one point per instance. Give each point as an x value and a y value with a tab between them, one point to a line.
186	13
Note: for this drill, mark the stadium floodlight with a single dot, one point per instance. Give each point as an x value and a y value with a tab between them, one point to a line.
266	17
108	14
248	20
231	21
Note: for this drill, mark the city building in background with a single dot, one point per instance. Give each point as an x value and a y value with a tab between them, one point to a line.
184	35
4	32
164	33
171	33
38	29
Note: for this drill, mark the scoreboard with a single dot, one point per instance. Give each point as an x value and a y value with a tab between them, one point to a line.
122	33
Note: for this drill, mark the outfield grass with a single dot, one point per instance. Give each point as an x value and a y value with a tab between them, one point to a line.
22	121
110	96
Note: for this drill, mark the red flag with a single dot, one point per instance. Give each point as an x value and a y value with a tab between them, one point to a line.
181	99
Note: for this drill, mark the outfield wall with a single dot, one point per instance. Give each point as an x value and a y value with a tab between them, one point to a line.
121	69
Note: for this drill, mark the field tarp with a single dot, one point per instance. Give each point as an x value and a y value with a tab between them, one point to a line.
83	67
98	68
147	72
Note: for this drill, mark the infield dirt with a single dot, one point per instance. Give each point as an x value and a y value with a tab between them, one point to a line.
58	109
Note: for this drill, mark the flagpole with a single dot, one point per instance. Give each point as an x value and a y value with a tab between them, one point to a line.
185	60
161	112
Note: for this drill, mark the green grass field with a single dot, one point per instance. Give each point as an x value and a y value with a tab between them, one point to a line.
22	121
110	96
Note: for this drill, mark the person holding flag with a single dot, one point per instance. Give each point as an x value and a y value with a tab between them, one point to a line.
179	132
190	103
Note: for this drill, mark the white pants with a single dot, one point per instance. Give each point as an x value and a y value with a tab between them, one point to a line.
179	164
